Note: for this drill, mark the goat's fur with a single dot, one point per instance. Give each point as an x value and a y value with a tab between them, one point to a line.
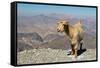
75	34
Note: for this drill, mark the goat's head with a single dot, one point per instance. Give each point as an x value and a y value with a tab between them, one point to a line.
61	26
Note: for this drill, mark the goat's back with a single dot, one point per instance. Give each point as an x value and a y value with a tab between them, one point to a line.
80	30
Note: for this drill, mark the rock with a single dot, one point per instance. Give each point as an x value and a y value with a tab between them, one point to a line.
49	55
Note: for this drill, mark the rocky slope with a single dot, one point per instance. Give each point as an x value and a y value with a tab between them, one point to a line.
49	55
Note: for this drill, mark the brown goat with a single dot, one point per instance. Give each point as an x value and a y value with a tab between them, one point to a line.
75	34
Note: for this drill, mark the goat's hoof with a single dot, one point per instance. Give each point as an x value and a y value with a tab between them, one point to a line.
75	56
72	53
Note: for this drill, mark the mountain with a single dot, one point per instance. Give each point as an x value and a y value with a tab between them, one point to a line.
28	41
40	31
48	22
32	36
51	37
23	46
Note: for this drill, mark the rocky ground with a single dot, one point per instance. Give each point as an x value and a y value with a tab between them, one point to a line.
49	55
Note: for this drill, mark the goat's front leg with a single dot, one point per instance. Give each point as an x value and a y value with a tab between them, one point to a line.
76	50
75	53
72	49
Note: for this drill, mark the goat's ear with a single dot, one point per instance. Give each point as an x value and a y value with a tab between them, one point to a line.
65	26
65	23
61	22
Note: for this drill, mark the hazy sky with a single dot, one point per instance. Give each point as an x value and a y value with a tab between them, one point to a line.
33	9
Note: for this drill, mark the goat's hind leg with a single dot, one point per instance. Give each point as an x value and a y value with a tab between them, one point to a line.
81	44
